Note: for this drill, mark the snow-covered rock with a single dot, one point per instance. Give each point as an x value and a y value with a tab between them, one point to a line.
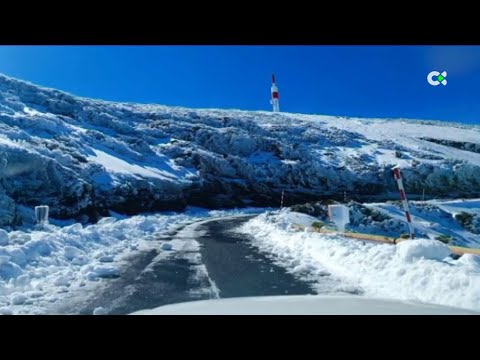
9	270
3	237
106	258
6	311
84	157
167	246
470	260
18	299
72	252
99	311
61	281
103	272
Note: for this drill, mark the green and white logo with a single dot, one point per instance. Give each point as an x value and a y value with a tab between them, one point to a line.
434	78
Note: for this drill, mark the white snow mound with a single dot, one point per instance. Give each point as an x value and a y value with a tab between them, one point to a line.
410	250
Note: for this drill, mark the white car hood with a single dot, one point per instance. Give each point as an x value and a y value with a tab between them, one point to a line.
304	305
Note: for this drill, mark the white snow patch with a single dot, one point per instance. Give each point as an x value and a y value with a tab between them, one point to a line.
6	311
100	311
3	237
61	281
71	252
287	217
469	260
167	246
18	299
103	272
411	250
106	259
117	165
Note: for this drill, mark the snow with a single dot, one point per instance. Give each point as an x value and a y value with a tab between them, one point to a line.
431	219
5	311
41	267
106	259
3	237
470	260
72	152
61	281
412	250
302	305
291	217
471	206
103	272
18	299
79	156
99	311
416	270
167	246
117	165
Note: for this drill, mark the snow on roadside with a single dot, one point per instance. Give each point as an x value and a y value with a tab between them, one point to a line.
417	270
38	267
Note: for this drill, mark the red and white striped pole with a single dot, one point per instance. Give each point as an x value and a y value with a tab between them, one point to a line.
403	196
274	91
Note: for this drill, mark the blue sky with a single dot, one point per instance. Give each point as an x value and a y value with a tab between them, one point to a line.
365	81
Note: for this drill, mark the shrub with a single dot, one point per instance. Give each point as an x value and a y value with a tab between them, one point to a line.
446	239
464	218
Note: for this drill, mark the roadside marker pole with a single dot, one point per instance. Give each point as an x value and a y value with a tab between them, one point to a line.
403	196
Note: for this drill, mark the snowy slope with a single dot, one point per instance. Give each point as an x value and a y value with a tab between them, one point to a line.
84	156
435	218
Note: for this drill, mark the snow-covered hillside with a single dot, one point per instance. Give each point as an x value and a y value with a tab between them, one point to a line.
84	156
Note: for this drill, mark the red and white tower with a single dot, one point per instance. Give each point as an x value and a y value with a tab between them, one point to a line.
274	91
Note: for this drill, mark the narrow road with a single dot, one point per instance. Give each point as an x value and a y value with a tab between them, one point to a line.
224	265
237	268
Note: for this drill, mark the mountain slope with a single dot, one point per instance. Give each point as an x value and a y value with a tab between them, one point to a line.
84	156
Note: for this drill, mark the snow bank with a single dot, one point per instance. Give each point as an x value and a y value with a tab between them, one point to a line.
38	268
99	311
412	270
412	250
286	218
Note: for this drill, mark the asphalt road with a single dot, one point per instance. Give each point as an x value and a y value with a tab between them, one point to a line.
233	268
